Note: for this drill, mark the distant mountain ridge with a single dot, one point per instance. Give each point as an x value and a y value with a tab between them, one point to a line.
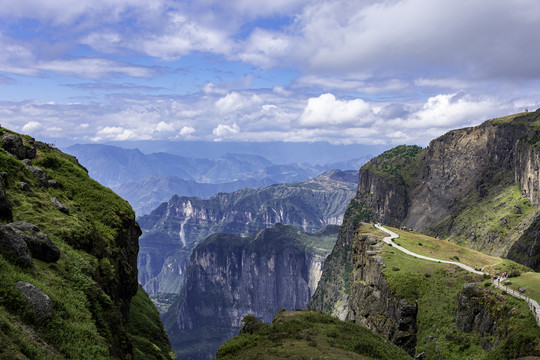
172	230
147	180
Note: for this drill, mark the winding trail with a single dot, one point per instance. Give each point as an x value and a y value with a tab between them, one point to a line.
533	305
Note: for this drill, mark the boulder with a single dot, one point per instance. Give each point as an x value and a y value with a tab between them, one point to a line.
39	244
14	248
37	300
5	208
63	208
39	174
13	144
24	186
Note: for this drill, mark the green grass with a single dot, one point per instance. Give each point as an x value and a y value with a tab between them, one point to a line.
435	287
84	284
530	281
309	335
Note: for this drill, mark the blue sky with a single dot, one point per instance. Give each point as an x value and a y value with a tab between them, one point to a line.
365	72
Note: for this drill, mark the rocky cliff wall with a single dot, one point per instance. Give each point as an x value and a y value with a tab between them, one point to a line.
173	230
230	277
372	303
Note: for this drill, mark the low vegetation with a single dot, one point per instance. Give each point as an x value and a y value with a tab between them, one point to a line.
84	284
435	287
307	335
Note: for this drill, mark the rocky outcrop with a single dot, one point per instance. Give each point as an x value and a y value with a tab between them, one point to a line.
172	231
6	213
57	204
372	303
482	311
14	247
429	191
13	144
39	244
37	300
230	277
354	288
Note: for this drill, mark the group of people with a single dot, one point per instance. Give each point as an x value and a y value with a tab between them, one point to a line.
502	277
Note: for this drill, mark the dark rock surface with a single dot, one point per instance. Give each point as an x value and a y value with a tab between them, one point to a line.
482	311
13	247
230	277
39	244
39	174
6	213
37	300
63	208
13	144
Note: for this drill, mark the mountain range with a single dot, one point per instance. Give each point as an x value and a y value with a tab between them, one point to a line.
147	180
175	228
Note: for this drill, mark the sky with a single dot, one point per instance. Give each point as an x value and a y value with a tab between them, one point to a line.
348	72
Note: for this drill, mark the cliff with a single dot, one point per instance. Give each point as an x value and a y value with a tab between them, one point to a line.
68	253
175	228
476	186
231	276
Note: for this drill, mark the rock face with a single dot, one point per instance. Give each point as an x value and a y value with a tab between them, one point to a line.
39	244
433	190
482	311
230	277
14	247
13	144
5	207
353	288
37	300
372	303
173	230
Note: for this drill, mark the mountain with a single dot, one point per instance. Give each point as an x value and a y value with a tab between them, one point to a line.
230	276
114	166
175	228
147	194
476	186
68	263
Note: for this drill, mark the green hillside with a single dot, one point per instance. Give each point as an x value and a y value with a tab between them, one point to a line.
306	335
91	285
436	286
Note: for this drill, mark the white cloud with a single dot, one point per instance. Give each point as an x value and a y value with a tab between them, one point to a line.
451	110
234	101
162	126
31	126
326	110
223	130
186	131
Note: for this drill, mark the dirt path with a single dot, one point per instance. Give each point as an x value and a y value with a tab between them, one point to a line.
533	305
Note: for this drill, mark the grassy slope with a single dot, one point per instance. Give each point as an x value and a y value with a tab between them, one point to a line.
84	313
436	286
309	335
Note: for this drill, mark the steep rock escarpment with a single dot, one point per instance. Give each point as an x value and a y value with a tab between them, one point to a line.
373	304
69	273
173	230
357	290
476	186
230	276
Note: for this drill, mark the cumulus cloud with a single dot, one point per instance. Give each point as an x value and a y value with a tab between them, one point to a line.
186	131
234	101
31	126
326	110
223	130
